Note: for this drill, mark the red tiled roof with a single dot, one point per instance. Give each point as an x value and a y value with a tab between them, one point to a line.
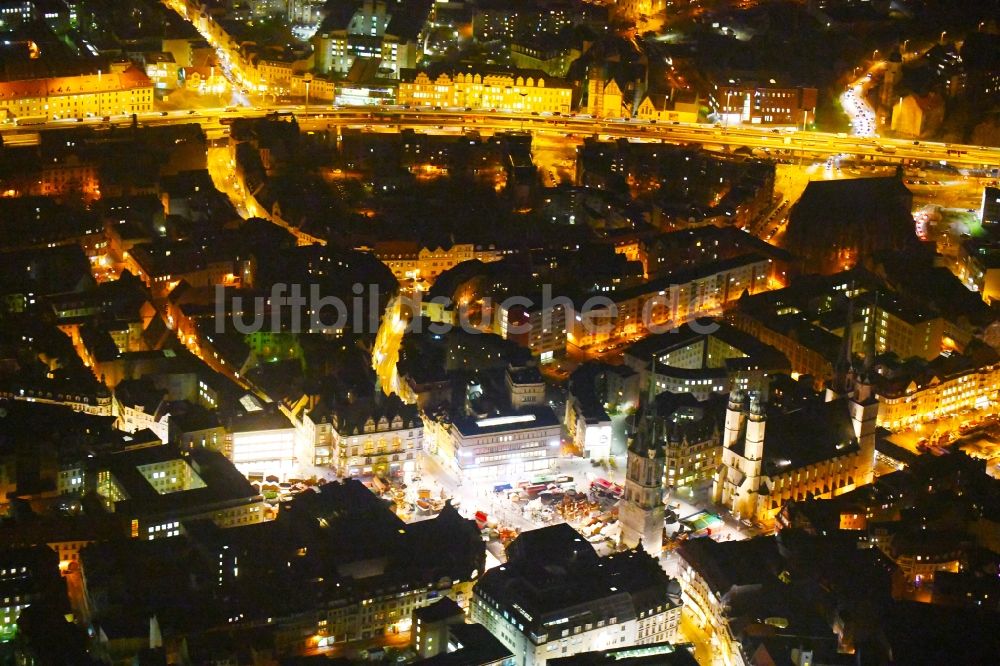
131	78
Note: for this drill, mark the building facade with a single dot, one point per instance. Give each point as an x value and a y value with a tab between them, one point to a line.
823	450
671	300
506	446
122	91
588	603
765	102
513	92
411	261
367	439
938	395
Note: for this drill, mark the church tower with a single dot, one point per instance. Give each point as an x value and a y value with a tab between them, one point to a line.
892	76
641	511
735	419
595	90
864	414
738	481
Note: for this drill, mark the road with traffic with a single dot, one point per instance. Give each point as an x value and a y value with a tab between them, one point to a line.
778	142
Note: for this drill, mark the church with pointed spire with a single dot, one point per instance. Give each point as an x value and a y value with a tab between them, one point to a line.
641	511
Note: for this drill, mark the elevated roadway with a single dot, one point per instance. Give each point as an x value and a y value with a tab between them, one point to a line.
777	141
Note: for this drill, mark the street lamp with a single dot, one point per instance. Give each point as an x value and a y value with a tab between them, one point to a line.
943	33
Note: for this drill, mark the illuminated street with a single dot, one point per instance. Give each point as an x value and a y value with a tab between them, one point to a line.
667	332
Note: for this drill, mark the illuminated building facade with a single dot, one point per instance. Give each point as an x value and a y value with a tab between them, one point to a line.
505	446
121	91
589	428
672	300
979	266
901	328
521	91
662	109
162	70
588	603
941	390
604	98
28	575
542	328
371	31
365	439
263	445
766	102
553	60
704	361
410	261
153	488
823	449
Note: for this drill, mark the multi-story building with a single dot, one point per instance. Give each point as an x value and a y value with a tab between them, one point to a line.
264	444
920	554
503	20
706	360
152	489
671	300
410	261
367	438
525	386
518	91
808	322
760	99
13	11
690	431
94	399
735	591
588	426
903	328
979	60
989	210
28	575
305	12
121	91
554	597
946	386
440	629
371	30
539	326
979	266
504	446
163	265
553	59
162	70
367	570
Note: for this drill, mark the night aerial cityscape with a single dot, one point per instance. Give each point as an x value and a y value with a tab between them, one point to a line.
500	332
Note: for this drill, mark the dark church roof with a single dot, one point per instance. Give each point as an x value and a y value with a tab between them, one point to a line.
805	436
